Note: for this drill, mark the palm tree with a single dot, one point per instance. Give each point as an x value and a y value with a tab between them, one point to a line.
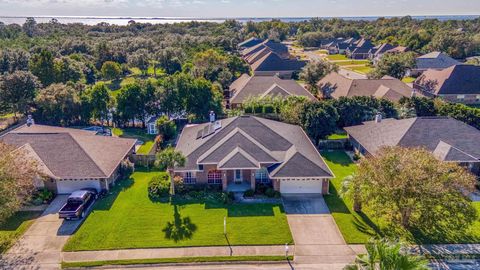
350	189
387	255
169	159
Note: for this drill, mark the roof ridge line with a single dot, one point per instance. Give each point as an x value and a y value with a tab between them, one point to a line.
456	148
86	153
408	129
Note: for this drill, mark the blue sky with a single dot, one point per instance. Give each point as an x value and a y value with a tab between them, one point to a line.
238	8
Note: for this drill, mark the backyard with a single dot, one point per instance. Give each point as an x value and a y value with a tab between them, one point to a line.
139	134
128	218
357	228
360	66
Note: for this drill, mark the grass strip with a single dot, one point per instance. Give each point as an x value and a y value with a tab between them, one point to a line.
177	260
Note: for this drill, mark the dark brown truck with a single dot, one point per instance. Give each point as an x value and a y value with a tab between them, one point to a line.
78	203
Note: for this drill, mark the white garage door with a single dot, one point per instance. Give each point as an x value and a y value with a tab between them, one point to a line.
69	186
301	186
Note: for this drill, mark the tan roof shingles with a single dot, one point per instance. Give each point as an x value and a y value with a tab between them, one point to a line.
72	153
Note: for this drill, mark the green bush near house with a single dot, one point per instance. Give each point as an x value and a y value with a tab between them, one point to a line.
159	186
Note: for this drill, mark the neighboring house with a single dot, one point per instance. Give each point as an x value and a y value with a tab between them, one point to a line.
240	152
260	86
250	43
359	49
338	46
71	159
335	86
378	52
448	139
433	60
272	64
152	125
251	54
459	83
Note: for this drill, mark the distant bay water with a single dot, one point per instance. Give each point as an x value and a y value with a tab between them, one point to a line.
93	20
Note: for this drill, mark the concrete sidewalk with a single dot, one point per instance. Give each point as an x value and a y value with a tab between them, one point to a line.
155	253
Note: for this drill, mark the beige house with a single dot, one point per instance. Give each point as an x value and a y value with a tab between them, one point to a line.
71	159
240	152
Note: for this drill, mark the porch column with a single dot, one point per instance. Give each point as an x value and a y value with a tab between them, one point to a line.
252	179
224	180
276	184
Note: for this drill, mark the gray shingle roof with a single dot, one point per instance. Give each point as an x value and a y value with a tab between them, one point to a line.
243	142
435	60
246	86
273	62
71	153
250	42
458	79
447	138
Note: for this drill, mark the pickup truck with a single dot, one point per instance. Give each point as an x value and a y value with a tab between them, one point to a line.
77	204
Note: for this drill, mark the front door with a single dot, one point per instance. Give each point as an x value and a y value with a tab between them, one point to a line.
238	176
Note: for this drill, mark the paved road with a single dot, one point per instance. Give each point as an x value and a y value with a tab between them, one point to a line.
40	247
316	235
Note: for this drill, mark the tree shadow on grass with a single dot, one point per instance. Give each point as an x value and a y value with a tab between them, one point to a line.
180	228
365	225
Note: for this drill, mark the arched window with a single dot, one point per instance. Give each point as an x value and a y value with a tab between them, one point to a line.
214	177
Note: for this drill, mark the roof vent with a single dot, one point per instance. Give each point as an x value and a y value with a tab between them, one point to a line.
378	118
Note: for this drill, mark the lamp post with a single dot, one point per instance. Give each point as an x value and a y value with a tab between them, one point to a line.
286	250
225	226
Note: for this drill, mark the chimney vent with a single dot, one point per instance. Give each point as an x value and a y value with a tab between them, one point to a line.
378	118
212	117
30	120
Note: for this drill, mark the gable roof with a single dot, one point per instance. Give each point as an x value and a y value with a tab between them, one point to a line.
246	142
387	87
246	86
458	79
435	60
448	139
273	62
71	153
271	46
250	42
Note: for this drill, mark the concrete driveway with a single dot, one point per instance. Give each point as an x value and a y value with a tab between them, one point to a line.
41	245
316	235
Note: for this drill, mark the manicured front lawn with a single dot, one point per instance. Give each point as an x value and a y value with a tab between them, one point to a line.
136	133
408	80
128	218
14	227
359	227
178	260
361	69
336	57
352	63
355	228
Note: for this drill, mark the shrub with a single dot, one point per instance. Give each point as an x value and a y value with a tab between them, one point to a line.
179	185
249	193
258	109
248	110
356	156
270	192
159	186
126	168
277	194
268	108
227	198
261	188
44	195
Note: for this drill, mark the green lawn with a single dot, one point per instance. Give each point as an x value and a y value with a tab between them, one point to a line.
130	219
361	69
336	57
355	228
359	227
352	62
137	133
337	136
408	80
14	227
178	260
